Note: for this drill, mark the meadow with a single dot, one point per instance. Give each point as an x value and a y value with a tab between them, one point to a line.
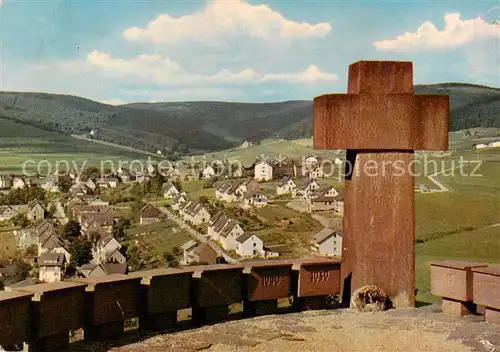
41	151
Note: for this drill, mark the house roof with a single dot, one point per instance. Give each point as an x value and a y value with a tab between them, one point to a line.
284	181
206	253
51	259
224	187
179	196
114	268
94	226
88	266
4	208
189	245
248	180
83	208
24	283
215	217
8	269
228	228
323	235
103	219
42	225
52	241
149	211
194	208
305	183
167	185
45	233
221	223
34	203
104	240
243	238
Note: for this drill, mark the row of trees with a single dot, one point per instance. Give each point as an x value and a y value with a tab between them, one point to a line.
24	195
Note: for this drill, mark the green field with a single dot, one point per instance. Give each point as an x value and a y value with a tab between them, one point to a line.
458	224
36	149
155	240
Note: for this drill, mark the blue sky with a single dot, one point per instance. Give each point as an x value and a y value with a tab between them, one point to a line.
235	50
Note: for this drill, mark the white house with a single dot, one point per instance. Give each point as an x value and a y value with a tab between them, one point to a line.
7	212
311	161
229	234
56	211
208	172
215	225
286	186
263	171
49	242
249	245
228	192
51	267
149	214
480	146
107	182
169	190
194	212
257	200
329	199
306	187
50	185
91	185
18	183
327	242
316	171
90	199
179	199
187	249
107	249
5	182
35	212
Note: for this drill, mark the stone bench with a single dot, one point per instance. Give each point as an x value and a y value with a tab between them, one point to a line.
453	281
486	290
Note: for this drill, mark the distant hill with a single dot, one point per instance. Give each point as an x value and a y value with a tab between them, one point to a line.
208	126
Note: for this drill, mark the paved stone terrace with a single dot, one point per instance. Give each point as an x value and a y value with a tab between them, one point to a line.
422	329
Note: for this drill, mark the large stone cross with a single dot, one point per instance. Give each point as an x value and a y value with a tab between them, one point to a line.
380	122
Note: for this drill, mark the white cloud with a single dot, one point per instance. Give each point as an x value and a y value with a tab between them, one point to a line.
222	19
114	102
163	71
456	33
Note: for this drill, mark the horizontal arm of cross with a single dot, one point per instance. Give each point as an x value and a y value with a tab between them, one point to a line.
381	122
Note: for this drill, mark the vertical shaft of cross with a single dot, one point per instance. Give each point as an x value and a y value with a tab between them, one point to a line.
379	223
380	123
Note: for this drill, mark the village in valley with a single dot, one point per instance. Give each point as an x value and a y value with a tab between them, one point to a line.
69	225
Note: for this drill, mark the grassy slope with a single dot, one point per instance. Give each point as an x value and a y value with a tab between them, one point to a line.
456	224
37	145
